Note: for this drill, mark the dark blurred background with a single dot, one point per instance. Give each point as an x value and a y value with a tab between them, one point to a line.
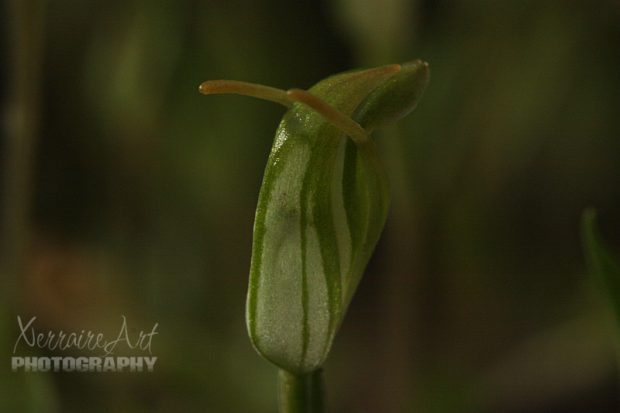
124	191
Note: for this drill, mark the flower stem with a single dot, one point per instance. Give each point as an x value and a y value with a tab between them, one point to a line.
301	393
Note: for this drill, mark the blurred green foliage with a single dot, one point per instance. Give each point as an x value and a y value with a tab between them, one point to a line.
143	195
602	265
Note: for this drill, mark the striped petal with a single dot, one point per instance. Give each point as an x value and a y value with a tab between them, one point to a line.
321	210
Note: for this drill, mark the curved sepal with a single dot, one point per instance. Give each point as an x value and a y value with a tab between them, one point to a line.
321	210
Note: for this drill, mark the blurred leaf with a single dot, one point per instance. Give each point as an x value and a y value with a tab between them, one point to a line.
602	266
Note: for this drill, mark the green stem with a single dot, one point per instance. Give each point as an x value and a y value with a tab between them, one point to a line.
301	393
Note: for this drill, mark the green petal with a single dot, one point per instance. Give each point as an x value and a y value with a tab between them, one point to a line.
321	210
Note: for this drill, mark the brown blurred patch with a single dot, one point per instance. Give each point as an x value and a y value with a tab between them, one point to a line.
62	284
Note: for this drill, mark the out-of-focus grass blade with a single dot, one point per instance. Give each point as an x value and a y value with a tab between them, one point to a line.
603	267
